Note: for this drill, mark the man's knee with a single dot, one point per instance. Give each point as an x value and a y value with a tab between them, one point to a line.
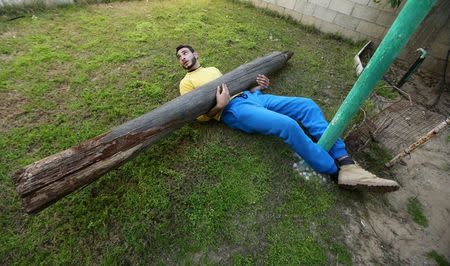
288	126
311	103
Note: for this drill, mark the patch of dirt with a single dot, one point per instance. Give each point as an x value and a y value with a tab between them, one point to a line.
385	233
6	58
12	110
122	69
8	34
380	229
59	70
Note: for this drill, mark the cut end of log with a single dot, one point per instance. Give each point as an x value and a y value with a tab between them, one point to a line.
288	54
17	176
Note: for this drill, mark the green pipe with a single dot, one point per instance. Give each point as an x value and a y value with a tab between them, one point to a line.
406	23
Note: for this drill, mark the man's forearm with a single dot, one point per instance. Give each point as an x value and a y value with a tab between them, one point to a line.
214	111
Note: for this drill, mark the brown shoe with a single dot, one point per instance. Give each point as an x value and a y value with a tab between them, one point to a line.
353	176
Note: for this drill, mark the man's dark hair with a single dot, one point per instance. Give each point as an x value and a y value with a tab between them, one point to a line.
184	46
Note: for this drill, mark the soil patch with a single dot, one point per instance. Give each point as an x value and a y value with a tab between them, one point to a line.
382	229
8	34
12	109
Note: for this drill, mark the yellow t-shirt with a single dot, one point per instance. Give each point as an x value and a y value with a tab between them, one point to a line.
197	78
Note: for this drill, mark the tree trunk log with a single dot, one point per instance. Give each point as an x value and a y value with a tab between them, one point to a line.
44	182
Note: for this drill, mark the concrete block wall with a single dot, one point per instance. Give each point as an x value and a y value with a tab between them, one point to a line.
438	49
370	20
354	19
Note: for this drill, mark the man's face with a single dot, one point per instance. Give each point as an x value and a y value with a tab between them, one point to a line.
186	58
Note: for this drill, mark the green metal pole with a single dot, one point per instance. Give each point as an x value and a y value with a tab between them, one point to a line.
406	23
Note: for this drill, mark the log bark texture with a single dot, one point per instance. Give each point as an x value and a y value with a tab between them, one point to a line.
44	182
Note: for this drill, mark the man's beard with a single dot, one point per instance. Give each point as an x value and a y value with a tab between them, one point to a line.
194	61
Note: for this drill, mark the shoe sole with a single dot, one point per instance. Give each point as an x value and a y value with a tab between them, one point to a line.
369	188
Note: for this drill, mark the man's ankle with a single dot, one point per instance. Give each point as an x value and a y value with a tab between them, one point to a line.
345	160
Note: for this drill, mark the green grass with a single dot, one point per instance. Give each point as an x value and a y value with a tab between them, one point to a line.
415	210
384	90
206	194
374	157
440	260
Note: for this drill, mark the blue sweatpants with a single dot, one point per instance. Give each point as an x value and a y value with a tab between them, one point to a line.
279	116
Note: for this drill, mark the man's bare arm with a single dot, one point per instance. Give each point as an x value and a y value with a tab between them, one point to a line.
222	99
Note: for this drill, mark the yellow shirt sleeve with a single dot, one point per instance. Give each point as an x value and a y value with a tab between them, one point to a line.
204	118
186	86
218	73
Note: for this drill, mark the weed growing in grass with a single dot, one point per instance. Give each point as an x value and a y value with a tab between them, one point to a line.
375	157
384	90
243	260
342	254
440	260
415	210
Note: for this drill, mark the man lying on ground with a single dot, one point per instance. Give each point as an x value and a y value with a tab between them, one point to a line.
255	112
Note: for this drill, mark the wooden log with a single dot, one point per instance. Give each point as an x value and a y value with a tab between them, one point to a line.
48	180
